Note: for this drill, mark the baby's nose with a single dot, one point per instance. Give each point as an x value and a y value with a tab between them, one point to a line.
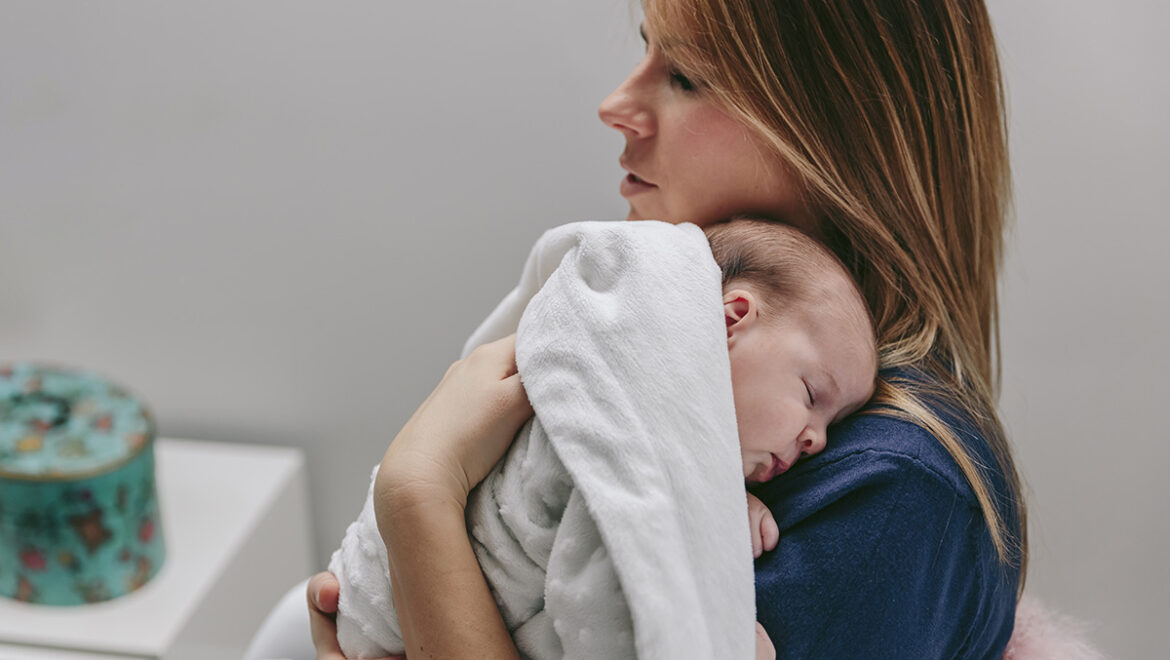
812	443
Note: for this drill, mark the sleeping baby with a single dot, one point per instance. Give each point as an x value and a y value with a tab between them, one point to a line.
554	537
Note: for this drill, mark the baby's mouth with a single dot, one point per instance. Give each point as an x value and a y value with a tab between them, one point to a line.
778	468
764	472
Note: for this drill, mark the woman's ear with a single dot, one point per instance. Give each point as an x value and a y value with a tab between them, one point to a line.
740	311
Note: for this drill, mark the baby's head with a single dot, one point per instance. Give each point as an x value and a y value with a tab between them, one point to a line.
800	339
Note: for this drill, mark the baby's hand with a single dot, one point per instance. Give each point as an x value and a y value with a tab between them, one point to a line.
764	648
765	533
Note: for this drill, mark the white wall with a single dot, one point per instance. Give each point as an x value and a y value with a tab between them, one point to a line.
1086	308
278	221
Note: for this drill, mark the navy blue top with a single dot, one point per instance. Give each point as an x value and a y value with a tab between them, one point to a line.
884	552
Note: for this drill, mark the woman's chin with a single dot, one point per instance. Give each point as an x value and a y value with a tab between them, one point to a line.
640	212
634	216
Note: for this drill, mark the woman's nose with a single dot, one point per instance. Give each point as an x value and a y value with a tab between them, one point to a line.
626	109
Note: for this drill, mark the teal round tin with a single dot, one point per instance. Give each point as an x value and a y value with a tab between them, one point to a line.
79	518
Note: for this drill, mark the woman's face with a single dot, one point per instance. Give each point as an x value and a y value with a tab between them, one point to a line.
688	160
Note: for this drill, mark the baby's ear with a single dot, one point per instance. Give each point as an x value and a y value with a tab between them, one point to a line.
740	310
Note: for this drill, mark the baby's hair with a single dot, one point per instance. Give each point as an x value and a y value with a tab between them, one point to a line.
790	267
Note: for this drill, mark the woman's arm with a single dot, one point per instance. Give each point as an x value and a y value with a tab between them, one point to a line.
445	449
444	605
420	496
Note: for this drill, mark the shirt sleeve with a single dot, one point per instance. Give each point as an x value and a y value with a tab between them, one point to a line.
880	556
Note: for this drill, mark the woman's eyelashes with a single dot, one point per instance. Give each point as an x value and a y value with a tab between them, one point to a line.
676	77
684	83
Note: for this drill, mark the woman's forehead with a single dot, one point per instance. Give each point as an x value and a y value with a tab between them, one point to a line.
669	21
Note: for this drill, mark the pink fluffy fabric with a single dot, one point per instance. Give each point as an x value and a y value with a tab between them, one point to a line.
1041	634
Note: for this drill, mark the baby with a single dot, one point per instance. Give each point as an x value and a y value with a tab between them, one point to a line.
801	345
802	356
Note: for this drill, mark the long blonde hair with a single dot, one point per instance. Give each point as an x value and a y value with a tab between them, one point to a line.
891	115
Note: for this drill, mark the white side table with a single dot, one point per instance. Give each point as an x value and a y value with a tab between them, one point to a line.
237	536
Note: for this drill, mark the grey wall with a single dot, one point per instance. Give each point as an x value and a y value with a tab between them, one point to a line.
1085	307
279	220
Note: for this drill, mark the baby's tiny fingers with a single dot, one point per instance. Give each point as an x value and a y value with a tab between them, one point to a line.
769	532
765	650
758	519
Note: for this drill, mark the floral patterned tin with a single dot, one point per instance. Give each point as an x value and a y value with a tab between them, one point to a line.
79	516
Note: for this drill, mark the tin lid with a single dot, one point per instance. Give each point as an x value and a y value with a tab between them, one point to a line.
64	424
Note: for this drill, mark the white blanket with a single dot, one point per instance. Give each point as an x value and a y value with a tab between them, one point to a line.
616	525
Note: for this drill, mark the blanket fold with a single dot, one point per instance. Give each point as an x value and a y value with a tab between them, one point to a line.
616	524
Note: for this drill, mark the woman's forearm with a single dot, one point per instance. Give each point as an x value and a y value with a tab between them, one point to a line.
443	602
450	443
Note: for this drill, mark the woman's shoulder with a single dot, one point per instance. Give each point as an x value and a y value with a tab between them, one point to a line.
878	444
871	450
884	514
877	438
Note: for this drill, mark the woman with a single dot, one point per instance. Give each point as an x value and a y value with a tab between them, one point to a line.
879	128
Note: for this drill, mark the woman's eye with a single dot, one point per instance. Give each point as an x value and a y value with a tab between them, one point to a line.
812	400
682	81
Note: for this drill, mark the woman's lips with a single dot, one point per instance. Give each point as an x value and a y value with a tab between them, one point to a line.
632	185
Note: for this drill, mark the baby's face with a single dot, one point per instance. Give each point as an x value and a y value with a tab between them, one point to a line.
792	378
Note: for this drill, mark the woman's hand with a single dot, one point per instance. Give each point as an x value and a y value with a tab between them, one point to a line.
459	432
448	446
450	443
322	595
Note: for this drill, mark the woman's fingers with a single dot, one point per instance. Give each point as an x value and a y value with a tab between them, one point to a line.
462	429
322	596
519	405
499	354
497	408
502	356
322	593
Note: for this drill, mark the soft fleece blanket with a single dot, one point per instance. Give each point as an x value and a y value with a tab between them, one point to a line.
616	525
